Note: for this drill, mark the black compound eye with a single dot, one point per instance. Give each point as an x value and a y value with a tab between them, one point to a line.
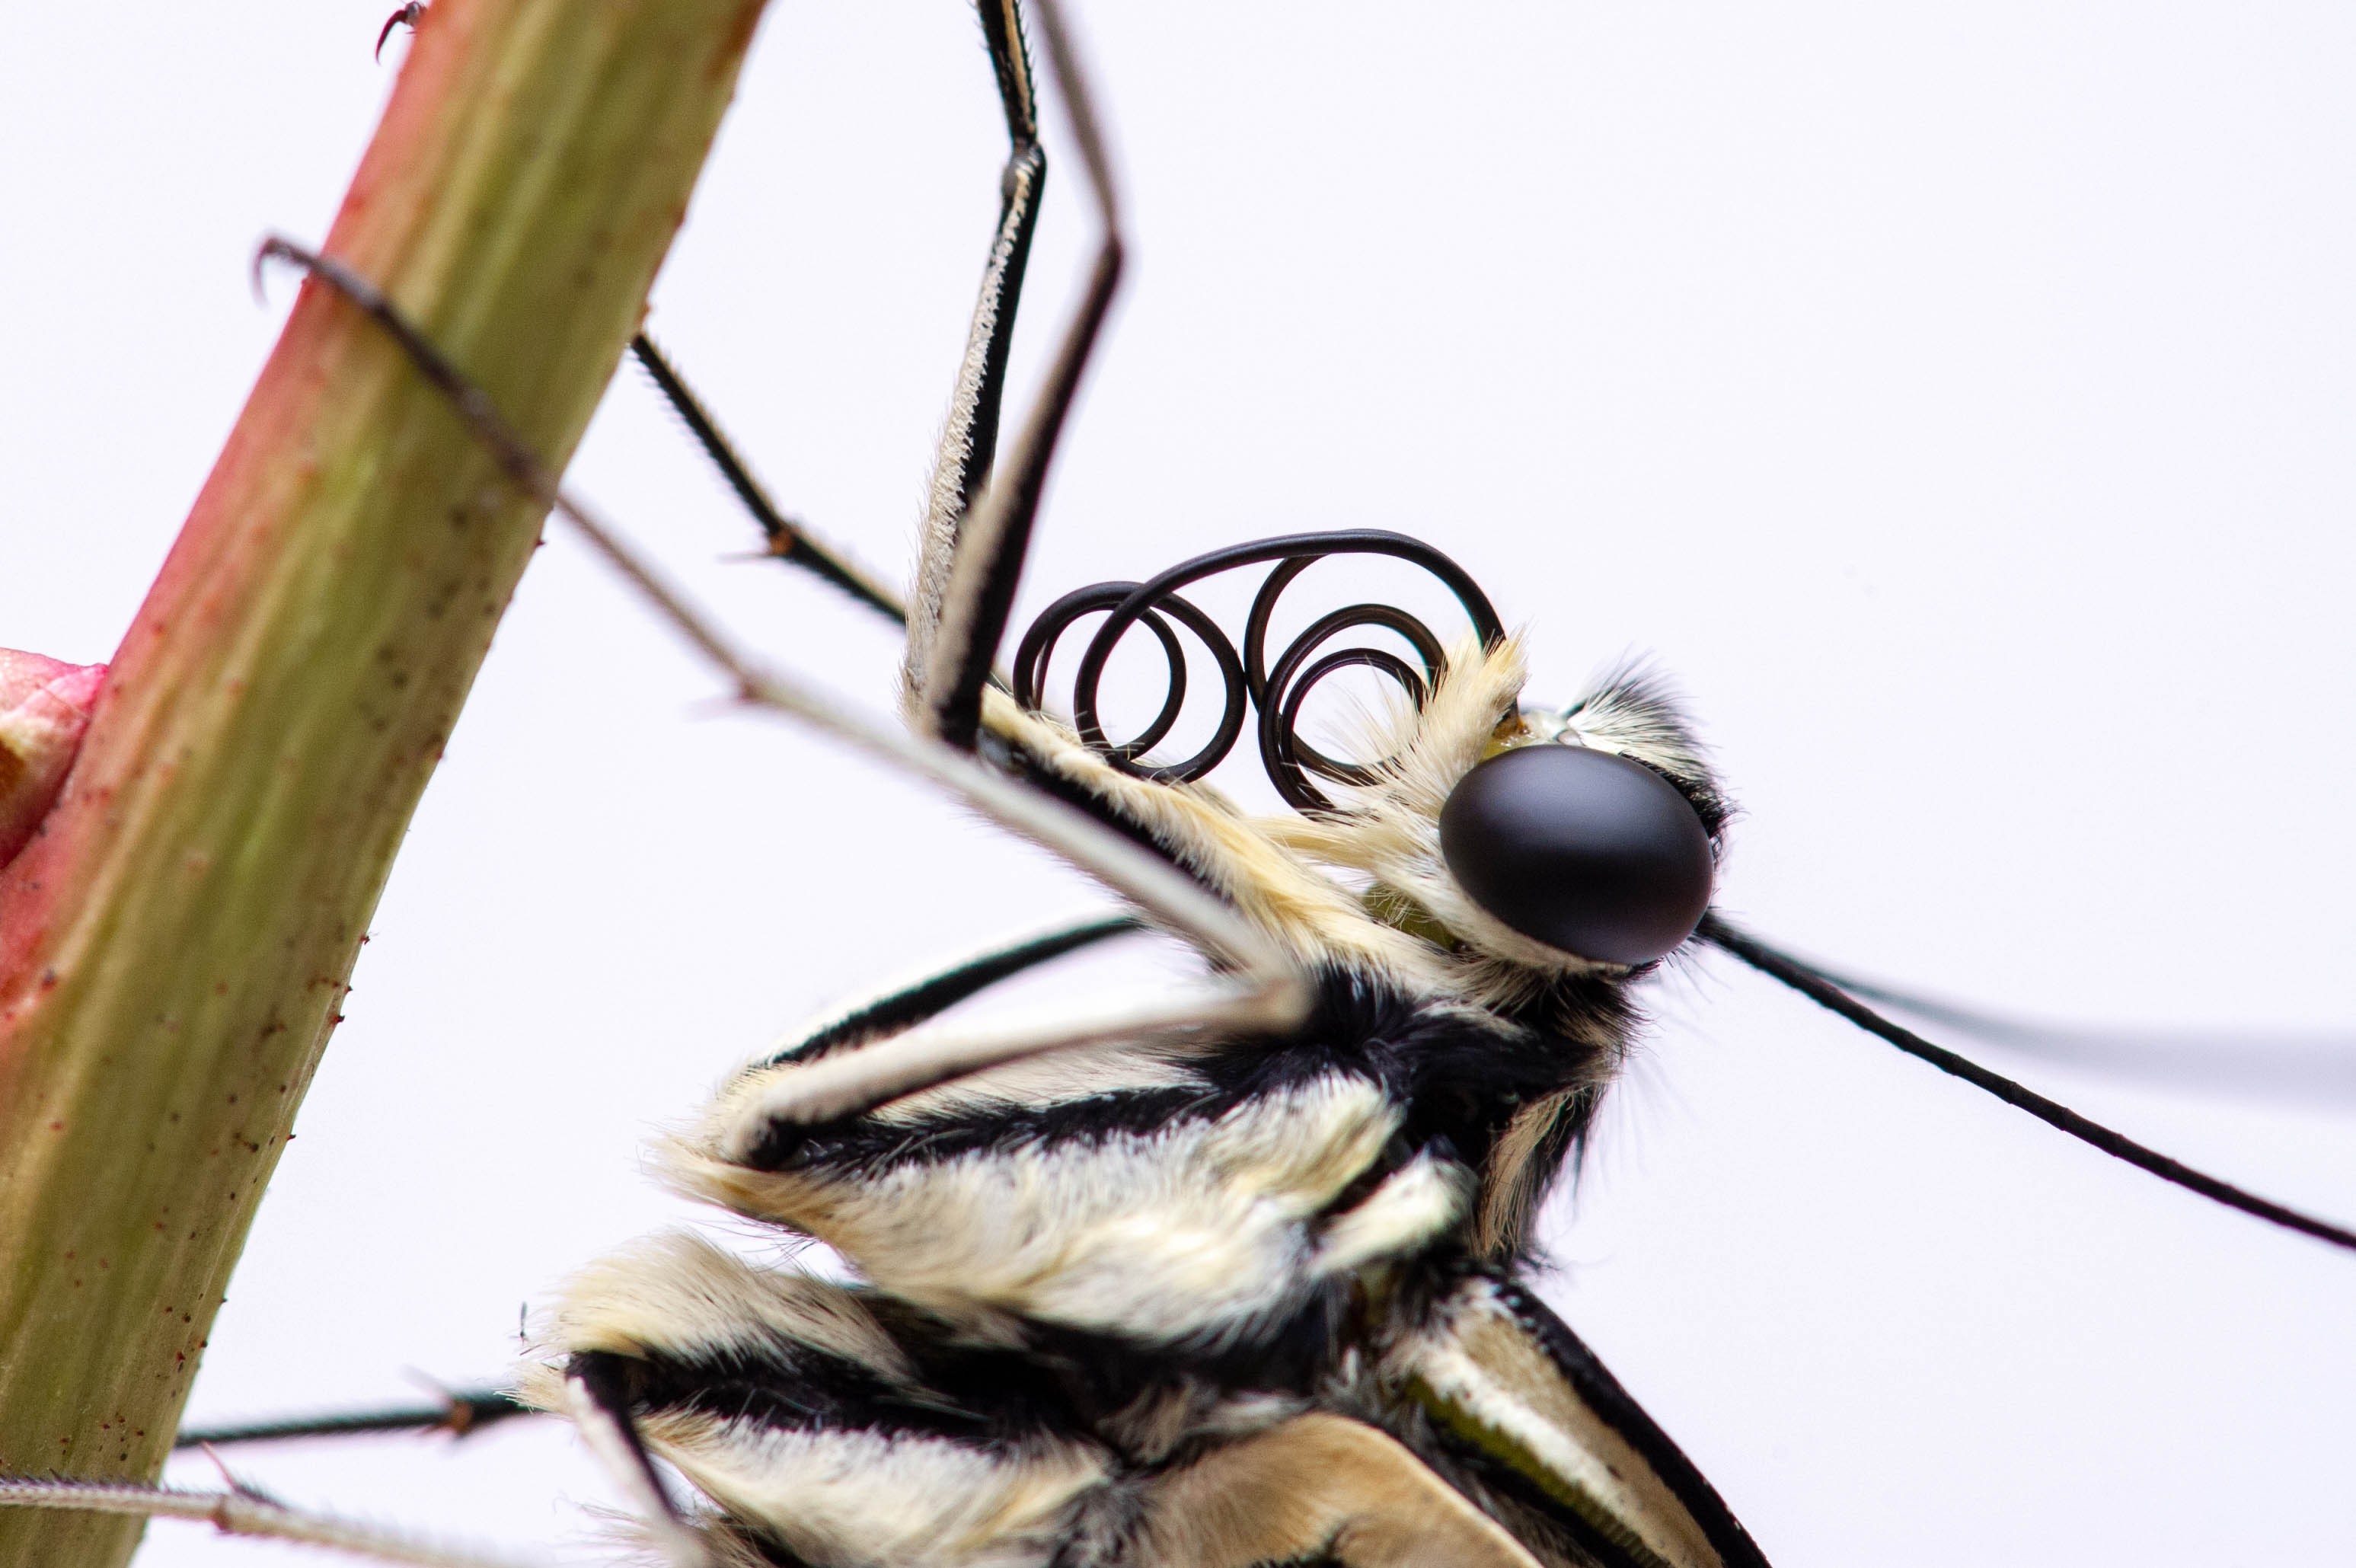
1580	850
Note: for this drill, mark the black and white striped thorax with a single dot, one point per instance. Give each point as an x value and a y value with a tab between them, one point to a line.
1186	1197
1085	1281
1214	1194
1091	1279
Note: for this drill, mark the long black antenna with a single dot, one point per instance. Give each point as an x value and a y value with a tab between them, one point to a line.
2309	1067
1814	984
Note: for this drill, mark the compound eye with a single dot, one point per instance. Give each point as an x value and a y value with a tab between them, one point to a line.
1581	850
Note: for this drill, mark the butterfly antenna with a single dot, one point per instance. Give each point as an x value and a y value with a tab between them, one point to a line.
1819	988
2305	1067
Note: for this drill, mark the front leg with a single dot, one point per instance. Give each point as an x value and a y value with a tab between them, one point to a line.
973	556
1261	991
949	626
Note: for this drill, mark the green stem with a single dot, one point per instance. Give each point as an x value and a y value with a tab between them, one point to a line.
174	941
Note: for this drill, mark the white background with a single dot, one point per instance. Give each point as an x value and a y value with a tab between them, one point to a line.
1955	397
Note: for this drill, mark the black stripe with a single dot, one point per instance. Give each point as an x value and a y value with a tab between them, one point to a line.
937	993
977	1394
796	1387
1457	1083
1603	1395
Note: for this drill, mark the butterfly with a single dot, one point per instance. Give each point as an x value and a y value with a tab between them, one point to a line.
1754	610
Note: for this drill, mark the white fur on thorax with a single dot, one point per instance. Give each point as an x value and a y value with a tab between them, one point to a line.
1316	918
1513	1180
853	1498
845	1498
1422	1199
1195	1231
676	1294
1058	1078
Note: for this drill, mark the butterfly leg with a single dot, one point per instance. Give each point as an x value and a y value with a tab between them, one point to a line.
597	1400
240	1510
969	442
975	532
965	584
789	538
1262	989
978	514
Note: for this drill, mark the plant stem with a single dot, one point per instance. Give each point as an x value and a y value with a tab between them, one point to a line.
175	939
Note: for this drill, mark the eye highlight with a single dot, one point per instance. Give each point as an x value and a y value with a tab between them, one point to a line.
1580	849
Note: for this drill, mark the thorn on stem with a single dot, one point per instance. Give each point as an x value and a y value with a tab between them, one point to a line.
235	1485
407	17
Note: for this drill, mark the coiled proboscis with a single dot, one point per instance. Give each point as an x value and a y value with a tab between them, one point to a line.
1274	694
